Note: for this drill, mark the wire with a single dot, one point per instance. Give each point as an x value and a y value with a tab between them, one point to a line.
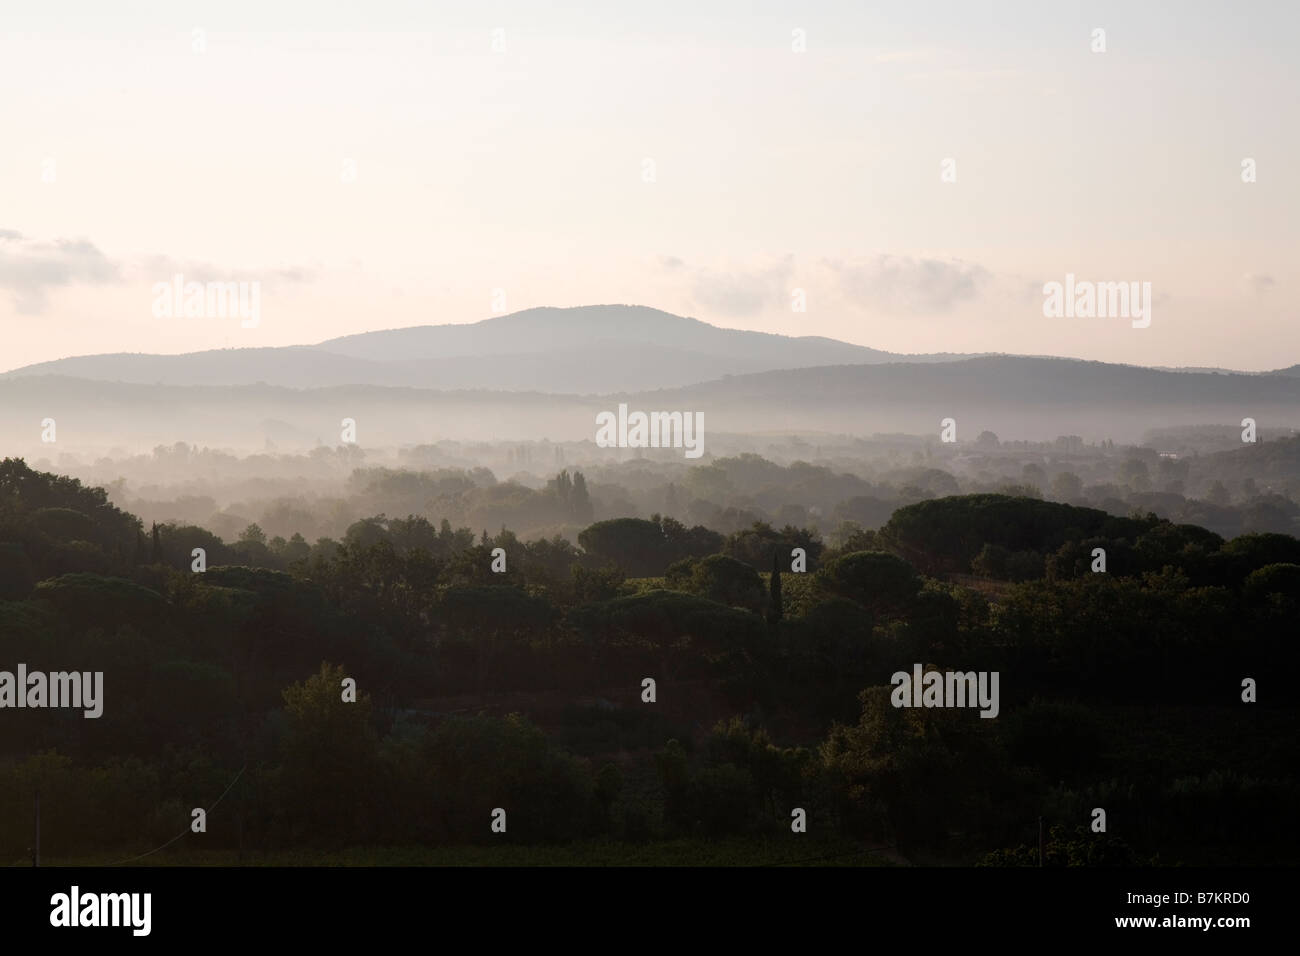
187	829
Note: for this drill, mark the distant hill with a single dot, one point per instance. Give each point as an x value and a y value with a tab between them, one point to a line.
549	330
1014	397
1267	461
585	350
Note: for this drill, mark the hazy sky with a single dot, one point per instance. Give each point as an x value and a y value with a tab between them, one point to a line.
136	148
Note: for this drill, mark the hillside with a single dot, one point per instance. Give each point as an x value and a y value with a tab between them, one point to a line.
1017	398
586	350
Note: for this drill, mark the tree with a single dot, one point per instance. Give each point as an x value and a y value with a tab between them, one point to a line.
179	542
889	771
17	577
329	757
995	561
943	535
1217	494
753	544
296	549
675	778
728	581
877	580
1279	579
253	534
683	635
1067	486
563	486
592	585
645	548
477	763
360	534
1034	474
251	547
862	511
609	784
580	501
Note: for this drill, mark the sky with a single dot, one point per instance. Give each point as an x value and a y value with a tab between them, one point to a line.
379	165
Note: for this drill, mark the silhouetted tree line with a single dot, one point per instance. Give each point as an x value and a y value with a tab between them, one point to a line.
522	689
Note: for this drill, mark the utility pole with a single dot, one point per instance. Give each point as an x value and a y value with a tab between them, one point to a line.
241	815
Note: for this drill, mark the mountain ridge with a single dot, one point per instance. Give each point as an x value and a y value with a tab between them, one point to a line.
581	350
1015	397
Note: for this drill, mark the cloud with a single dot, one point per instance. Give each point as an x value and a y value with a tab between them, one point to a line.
163	268
903	285
736	293
30	268
884	284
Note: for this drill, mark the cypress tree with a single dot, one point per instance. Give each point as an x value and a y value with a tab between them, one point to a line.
580	500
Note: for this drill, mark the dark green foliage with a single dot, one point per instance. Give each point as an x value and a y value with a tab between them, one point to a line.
1119	690
894	770
476	764
775	603
755	543
1280	580
17	577
881	582
1068	847
646	548
667	617
594	585
995	561
946	534
330	752
90	597
718	578
1064	741
176	544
